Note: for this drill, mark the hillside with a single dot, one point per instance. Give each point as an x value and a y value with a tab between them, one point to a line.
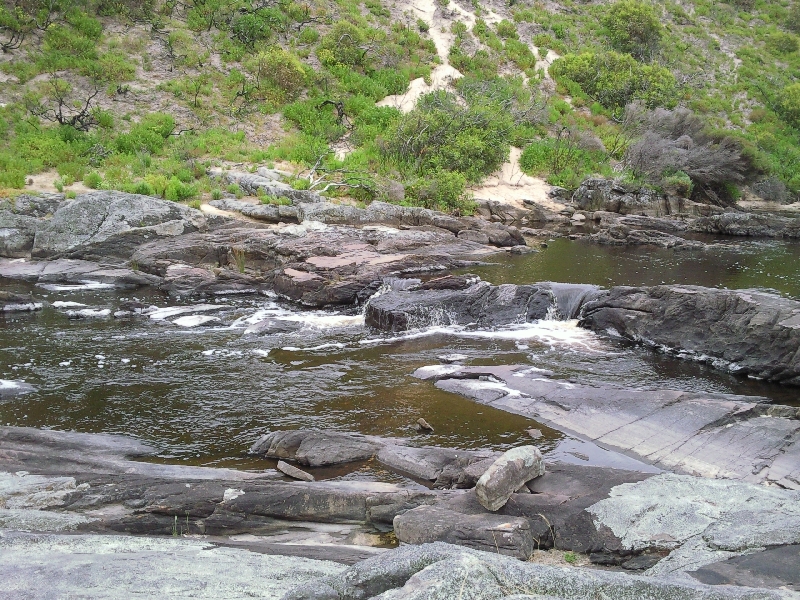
429	103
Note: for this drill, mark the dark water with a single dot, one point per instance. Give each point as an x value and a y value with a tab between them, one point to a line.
203	394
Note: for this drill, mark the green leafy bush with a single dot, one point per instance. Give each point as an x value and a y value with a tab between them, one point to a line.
782	43
149	135
790	104
343	45
633	27
442	190
177	190
616	80
93	180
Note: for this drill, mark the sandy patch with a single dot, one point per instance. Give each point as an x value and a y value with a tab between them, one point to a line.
556	558
511	186
43	182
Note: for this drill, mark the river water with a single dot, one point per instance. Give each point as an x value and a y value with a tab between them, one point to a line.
202	393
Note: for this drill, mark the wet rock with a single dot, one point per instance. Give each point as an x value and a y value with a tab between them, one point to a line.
535	433
316	448
112	224
53	274
665	224
510	536
11	302
507	474
621	235
742	331
774	568
481	303
272	327
749	225
294	472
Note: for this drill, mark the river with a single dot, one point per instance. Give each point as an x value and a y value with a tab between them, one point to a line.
202	394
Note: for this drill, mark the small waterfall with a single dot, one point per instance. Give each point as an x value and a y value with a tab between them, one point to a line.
568	299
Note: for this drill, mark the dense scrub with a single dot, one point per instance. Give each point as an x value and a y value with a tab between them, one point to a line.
143	96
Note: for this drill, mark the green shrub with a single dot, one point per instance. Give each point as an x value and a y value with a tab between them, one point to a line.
143	188
149	135
507	30
782	43
633	27
93	180
422	26
679	183
615	80
70	195
216	194
177	190
790	104
343	45
442	190
441	135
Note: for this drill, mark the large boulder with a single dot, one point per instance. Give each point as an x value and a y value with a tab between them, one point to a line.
17	233
743	331
112	224
508	474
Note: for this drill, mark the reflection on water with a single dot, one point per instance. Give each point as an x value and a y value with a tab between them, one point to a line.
769	265
203	394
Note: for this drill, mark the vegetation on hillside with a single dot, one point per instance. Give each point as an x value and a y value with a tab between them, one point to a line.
699	96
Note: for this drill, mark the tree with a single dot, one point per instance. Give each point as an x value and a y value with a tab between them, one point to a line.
633	27
60	105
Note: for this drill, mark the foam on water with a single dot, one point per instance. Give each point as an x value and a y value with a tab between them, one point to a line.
63	304
85	284
315	319
159	314
194	320
313	348
88	313
551	333
7	384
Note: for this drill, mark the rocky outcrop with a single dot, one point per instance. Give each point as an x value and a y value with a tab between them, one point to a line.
112	224
621	235
443	572
269	213
748	225
266	181
742	331
508	474
616	197
688	432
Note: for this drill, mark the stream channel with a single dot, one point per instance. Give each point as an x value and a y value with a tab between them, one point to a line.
201	393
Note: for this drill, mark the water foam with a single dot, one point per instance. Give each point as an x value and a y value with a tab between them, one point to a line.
337	345
85	284
159	314
312	319
551	333
194	320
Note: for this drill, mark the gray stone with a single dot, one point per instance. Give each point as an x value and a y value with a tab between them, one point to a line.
112	224
743	331
493	533
690	432
14	389
775	568
621	235
507	474
316	448
473	236
443	572
17	233
93	566
423	463
11	302
749	225
294	472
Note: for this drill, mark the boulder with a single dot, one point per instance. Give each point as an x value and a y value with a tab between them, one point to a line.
742	331
506	535
17	233
507	474
40	206
112	224
616	197
316	448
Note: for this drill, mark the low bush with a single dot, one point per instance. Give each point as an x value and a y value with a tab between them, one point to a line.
633	27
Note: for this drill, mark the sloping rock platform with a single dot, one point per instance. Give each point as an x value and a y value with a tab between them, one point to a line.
688	432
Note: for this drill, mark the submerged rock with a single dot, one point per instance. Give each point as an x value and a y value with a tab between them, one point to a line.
507	474
294	472
11	302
